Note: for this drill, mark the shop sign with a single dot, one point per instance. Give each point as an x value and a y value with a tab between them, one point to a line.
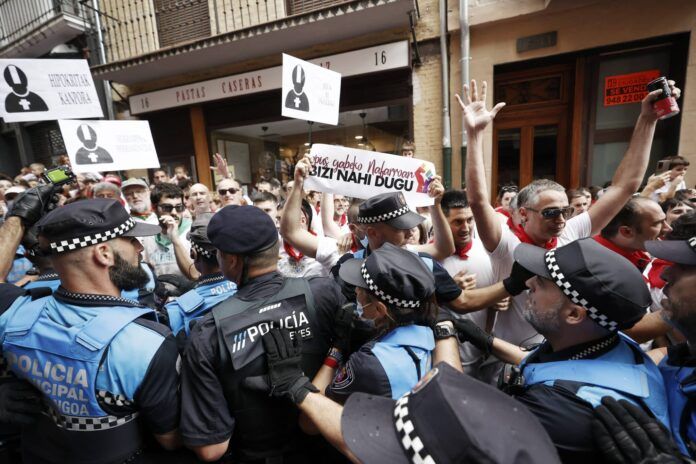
363	174
108	145
367	60
46	89
310	92
627	88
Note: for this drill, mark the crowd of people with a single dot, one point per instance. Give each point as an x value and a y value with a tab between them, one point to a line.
155	320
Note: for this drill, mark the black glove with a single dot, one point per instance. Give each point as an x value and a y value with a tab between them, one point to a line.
34	203
20	403
343	326
177	286
285	374
468	331
516	283
624	433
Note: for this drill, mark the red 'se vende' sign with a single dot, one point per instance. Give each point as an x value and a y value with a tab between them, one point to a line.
627	88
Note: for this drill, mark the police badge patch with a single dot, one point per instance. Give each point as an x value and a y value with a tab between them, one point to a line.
343	377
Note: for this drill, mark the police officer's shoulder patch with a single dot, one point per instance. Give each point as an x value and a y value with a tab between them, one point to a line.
343	378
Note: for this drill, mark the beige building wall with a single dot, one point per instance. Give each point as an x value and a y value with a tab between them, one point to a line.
580	25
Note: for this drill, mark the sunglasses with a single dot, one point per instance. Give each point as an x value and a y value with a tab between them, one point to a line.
223	192
553	213
169	208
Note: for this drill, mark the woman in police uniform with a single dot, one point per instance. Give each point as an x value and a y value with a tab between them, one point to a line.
395	292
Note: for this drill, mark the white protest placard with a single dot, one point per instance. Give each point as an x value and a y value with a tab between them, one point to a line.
43	90
363	174
310	92
108	145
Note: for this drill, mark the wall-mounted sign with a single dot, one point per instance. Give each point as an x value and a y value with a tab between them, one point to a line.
535	42
367	60
310	92
43	90
627	88
108	145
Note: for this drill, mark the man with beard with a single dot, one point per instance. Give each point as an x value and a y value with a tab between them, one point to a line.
580	297
103	367
679	366
137	195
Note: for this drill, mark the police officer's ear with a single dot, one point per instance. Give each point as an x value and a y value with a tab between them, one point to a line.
103	254
573	314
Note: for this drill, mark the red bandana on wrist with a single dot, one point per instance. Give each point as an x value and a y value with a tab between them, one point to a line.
640	259
524	238
462	252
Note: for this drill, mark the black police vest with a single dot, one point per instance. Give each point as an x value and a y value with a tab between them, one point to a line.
265	426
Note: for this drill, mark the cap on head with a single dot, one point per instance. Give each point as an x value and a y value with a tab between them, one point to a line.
242	230
397	276
447	417
606	284
676	251
198	235
388	208
90	222
133	181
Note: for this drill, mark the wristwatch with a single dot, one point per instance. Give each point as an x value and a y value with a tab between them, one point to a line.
443	331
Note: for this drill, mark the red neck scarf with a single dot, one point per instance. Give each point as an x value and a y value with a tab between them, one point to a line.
640	259
657	265
524	238
356	245
342	220
462	252
294	254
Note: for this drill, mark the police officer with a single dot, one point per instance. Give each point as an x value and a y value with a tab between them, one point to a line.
219	416
105	371
210	289
581	296
679	366
448	417
395	293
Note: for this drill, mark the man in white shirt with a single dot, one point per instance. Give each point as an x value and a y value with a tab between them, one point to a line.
543	204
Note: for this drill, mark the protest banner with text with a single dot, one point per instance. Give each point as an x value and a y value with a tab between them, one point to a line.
109	145
44	90
363	174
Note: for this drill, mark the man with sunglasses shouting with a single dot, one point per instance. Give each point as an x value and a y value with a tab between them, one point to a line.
543	205
230	192
169	251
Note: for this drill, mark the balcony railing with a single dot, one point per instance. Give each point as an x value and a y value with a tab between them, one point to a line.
143	26
19	18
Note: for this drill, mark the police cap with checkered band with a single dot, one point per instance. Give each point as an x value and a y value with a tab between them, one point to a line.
90	222
396	276
388	208
198	236
592	276
448	417
675	251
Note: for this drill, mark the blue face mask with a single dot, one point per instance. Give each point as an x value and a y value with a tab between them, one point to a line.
364	242
370	323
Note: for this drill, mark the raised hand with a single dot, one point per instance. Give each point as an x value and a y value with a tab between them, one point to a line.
476	116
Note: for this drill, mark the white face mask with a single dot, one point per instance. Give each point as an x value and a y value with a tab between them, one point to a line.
359	310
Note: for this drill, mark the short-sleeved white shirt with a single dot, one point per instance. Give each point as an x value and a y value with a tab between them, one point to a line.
307	267
510	325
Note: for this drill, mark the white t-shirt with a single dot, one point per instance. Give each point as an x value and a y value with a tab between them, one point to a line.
477	263
308	267
510	325
150	219
162	258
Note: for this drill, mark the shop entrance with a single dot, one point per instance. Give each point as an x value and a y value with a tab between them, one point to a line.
530	135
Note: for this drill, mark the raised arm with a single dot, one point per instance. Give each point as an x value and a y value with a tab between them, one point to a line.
476	119
290	222
331	229
11	234
478	298
443	243
629	174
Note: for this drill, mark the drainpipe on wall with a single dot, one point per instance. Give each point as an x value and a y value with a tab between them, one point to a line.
464	63
102	60
446	135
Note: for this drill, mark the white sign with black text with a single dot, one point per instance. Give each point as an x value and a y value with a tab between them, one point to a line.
310	92
44	90
109	145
